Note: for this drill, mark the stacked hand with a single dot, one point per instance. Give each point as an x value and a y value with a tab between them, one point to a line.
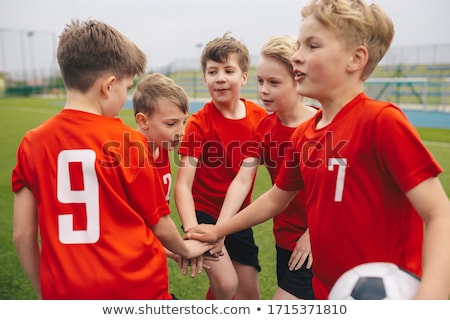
203	232
197	264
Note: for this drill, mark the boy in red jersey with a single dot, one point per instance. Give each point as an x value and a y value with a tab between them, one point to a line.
161	109
79	179
219	138
277	89
370	183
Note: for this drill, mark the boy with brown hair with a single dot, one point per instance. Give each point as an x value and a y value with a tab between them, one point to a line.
161	109
83	228
219	139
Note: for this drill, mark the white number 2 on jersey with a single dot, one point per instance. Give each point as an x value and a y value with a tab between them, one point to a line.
88	196
167	180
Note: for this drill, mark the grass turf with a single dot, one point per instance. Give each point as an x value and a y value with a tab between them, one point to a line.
17	115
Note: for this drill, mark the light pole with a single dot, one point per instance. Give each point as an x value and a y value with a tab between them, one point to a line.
36	76
198	46
22	51
30	35
2	46
52	72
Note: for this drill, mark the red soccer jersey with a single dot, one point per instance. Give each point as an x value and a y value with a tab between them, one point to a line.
289	225
162	163
355	172
88	174
221	144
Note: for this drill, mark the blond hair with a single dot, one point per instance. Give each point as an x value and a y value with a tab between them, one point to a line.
281	48
355	23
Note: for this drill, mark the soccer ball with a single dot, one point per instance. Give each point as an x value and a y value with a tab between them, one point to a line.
375	281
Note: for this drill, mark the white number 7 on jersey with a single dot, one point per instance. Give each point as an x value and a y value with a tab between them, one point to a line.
88	196
342	165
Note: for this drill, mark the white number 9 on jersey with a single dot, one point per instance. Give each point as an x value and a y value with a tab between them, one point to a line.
89	196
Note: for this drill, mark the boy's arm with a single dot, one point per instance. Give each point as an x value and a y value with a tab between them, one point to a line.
184	202
167	233
172	255
183	192
431	202
265	207
26	236
238	189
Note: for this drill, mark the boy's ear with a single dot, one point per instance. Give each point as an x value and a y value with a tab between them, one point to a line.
358	59
244	78
106	85
141	120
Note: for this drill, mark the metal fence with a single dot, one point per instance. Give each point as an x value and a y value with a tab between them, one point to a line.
418	55
408	55
20	51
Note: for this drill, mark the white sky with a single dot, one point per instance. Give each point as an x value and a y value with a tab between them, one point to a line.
167	30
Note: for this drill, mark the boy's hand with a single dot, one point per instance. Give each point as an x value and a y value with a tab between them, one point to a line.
196	264
194	256
301	253
196	248
204	233
217	250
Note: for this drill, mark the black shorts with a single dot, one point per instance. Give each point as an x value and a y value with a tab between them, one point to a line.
241	245
296	282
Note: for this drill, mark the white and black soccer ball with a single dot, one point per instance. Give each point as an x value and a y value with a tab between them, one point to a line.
375	281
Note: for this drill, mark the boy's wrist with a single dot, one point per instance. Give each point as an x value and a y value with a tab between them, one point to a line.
188	228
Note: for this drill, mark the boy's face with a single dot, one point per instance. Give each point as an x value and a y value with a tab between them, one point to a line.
320	61
277	88
224	79
164	128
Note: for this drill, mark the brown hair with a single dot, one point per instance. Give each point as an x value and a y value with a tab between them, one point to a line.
220	49
154	86
91	48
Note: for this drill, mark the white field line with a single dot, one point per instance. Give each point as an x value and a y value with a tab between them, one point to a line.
438	144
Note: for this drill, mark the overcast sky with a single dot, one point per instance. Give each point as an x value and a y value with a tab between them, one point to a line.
167	30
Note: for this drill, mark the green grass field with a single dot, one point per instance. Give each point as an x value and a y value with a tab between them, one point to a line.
17	115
